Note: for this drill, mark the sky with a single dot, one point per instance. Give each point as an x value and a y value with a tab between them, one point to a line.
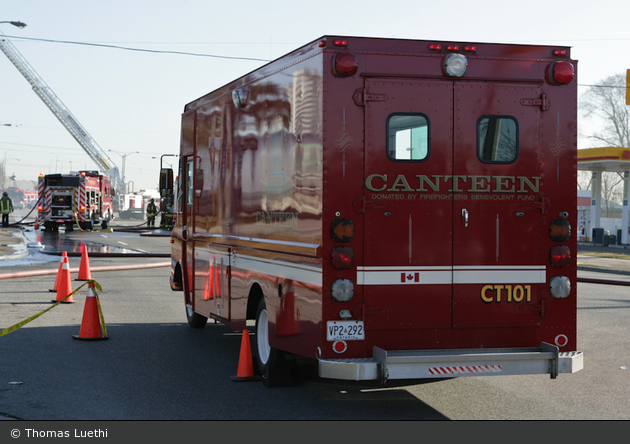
130	101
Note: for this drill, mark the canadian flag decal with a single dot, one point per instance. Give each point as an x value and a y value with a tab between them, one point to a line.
409	277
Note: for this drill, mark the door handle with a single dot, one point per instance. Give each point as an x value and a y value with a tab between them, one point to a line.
465	216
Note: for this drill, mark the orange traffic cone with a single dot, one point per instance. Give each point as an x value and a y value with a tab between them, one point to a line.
54	289
209	293
64	286
84	269
245	366
91	328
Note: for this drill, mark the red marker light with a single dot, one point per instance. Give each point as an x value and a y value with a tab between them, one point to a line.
562	73
435	47
345	64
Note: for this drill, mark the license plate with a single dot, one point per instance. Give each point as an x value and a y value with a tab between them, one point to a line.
345	331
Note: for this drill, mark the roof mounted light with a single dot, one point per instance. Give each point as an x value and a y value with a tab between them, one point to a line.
455	65
240	97
345	64
561	73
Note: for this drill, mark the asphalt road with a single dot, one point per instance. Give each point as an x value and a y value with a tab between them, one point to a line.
153	366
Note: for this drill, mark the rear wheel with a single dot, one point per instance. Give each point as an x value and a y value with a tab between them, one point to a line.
195	320
263	350
267	357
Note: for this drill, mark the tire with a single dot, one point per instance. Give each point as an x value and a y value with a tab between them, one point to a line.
87	225
266	357
263	350
195	320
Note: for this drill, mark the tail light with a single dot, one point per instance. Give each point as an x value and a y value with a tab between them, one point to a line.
342	258
40	208
560	256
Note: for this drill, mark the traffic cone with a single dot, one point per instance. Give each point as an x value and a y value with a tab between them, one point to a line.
64	287
209	293
84	269
91	328
245	366
54	289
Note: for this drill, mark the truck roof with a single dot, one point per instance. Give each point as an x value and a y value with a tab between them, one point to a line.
393	47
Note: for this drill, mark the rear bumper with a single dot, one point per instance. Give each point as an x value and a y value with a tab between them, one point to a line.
428	364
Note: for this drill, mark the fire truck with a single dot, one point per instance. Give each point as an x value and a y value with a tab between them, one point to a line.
391	209
82	199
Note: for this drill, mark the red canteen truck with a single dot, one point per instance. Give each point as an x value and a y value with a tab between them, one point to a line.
81	198
393	209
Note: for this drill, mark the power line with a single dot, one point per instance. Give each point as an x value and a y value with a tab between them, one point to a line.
154	51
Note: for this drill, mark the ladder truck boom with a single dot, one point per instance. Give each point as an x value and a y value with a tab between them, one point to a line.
62	113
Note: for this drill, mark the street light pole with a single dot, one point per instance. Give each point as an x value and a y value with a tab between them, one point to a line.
18	24
124	158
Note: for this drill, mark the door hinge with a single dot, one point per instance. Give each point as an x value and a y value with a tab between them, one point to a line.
543	205
361	97
542	102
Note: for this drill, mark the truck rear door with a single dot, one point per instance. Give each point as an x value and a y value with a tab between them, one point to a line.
497	220
407	268
451	192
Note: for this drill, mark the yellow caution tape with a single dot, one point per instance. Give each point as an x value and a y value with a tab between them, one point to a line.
98	305
21	324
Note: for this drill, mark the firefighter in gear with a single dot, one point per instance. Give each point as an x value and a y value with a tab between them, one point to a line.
6	207
152	211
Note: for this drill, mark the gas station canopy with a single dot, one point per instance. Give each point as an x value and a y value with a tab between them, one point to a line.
599	161
604	159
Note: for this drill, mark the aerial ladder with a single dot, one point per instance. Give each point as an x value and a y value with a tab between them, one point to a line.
64	115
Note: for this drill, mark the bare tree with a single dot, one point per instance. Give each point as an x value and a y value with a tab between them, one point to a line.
605	104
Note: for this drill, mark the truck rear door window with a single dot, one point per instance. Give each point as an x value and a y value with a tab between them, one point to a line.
408	137
497	139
